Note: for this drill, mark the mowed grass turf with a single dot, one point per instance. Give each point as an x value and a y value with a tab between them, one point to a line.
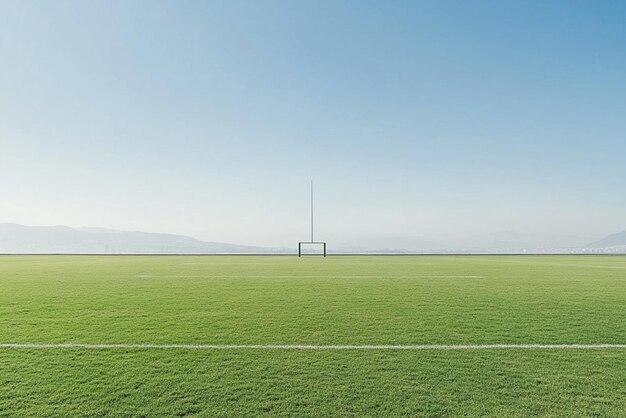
312	301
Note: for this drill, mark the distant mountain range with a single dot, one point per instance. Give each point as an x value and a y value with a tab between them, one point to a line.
515	241
612	241
15	239
20	239
493	243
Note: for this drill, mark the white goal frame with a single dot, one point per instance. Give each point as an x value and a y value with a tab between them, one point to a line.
300	244
312	242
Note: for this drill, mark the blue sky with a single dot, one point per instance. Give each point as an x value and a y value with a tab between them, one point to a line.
430	119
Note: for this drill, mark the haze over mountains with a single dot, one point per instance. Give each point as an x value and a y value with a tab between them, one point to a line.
617	241
497	243
16	239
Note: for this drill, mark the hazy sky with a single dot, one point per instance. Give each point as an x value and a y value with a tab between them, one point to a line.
417	118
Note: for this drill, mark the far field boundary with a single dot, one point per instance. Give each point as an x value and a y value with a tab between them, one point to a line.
416	347
319	256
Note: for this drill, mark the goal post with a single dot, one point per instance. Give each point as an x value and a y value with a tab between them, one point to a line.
302	246
314	244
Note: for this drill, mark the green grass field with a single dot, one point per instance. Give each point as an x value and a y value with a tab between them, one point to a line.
312	301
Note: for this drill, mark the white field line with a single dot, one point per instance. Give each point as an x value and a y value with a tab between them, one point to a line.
583	265
328	276
317	347
548	263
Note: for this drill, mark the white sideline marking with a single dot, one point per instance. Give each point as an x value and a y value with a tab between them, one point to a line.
547	263
328	276
318	347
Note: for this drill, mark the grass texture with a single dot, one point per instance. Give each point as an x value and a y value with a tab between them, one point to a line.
312	301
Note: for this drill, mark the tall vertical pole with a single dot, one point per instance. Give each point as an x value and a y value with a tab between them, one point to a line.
311	210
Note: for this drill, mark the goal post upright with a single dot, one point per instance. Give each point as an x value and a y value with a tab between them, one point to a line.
312	242
312	211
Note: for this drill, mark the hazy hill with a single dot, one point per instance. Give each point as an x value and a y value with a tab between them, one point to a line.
496	242
17	239
614	240
515	241
388	244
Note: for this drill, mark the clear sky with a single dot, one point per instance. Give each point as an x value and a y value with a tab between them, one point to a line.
417	118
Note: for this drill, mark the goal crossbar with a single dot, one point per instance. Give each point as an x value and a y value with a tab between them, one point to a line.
300	244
